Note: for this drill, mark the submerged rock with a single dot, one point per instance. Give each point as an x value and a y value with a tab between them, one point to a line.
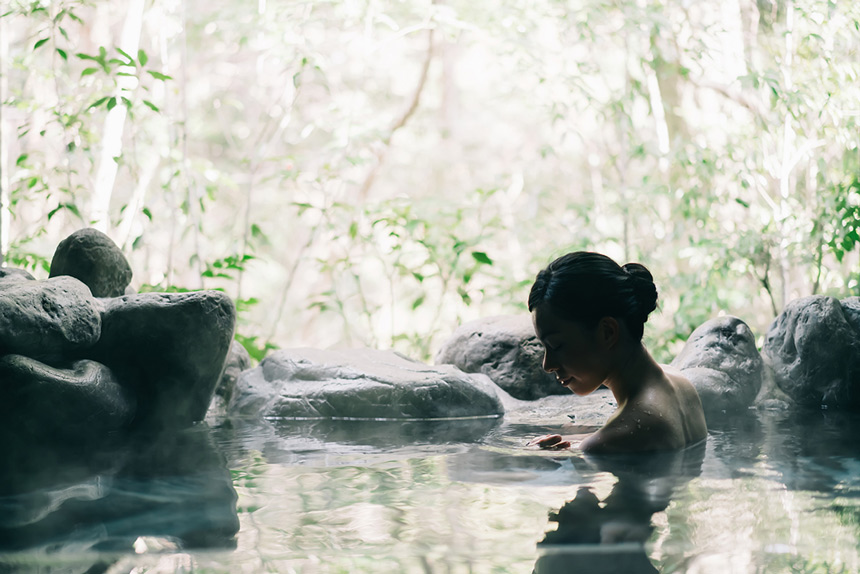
77	404
169	349
813	348
721	360
363	383
505	349
47	319
92	257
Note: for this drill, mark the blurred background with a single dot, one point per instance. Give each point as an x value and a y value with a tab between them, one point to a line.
376	172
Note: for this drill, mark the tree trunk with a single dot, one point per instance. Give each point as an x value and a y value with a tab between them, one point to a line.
115	123
4	148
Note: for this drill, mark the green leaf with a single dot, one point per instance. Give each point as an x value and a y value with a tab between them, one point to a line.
417	303
67	206
21	159
40	43
159	75
98	102
147	213
142	57
353	229
88	71
482	257
111	103
62	54
151	106
126	56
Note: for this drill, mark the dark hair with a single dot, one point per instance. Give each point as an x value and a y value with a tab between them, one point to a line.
585	286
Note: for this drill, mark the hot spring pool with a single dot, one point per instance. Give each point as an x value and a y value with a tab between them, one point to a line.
767	492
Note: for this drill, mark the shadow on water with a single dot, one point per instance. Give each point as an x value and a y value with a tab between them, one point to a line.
172	486
608	536
811	450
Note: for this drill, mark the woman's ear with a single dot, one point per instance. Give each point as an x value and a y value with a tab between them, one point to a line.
608	332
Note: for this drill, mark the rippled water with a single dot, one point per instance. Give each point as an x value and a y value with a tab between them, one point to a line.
767	492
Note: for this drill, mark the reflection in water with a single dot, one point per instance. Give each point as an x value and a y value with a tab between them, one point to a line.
172	486
595	537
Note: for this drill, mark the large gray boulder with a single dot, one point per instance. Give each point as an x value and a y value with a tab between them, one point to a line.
361	383
505	349
238	361
169	349
47	319
76	404
723	363
813	348
92	257
13	274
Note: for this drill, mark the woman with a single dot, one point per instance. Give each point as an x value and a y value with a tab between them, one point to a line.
589	313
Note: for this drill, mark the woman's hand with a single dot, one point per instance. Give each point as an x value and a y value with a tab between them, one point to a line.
550	442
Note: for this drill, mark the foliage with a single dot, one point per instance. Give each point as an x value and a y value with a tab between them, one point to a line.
377	172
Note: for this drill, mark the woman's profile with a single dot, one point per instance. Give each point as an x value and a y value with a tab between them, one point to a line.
590	313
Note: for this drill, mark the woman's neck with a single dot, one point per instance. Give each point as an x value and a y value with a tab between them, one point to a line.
635	367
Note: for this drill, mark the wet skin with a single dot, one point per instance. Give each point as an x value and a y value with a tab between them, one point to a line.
658	408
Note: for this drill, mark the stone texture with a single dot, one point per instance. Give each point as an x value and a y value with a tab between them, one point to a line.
813	348
364	383
92	257
505	349
47	319
721	360
80	403
238	360
169	349
12	274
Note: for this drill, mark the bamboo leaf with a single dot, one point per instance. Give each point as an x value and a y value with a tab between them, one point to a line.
98	102
482	257
125	55
159	75
40	43
142	57
151	106
62	54
88	71
111	103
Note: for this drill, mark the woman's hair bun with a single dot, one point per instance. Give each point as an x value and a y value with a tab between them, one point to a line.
644	289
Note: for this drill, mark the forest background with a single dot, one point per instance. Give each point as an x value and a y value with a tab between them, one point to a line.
375	172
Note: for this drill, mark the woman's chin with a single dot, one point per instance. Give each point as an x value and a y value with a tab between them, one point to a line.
580	389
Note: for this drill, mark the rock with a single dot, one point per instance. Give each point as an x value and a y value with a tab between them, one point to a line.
92	257
238	360
721	360
169	349
77	404
47	319
362	383
505	349
813	348
12	274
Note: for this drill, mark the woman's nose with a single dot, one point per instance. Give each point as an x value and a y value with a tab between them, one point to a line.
548	365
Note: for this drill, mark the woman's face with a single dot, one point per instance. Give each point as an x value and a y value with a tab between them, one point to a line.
573	352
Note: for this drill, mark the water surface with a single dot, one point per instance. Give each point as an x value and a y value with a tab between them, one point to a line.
767	492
